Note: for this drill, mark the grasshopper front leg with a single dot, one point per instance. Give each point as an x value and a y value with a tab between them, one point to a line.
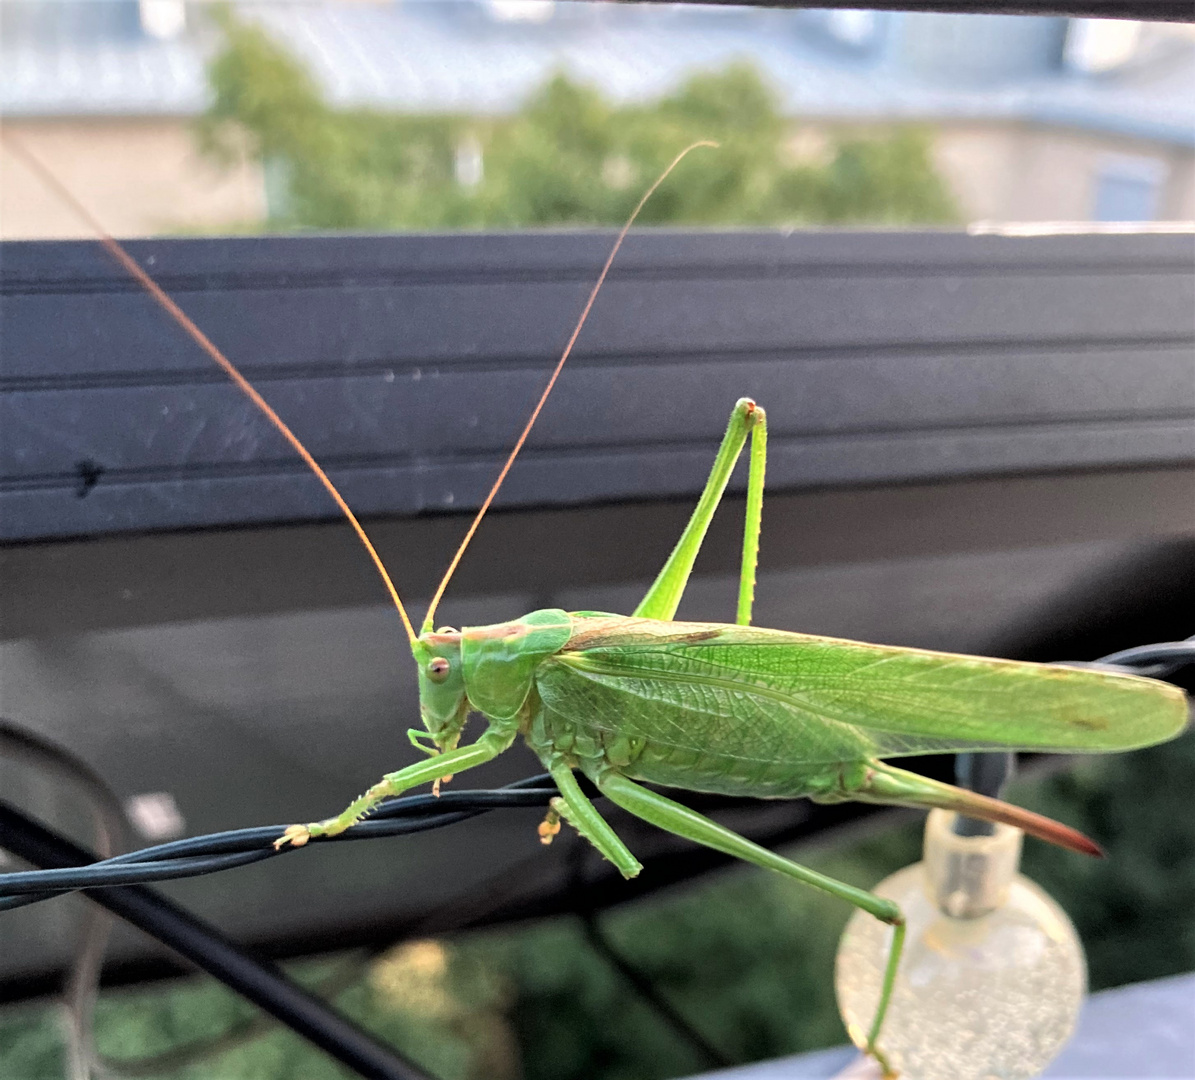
489	746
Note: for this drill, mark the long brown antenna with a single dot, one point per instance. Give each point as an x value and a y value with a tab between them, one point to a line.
597	285
201	339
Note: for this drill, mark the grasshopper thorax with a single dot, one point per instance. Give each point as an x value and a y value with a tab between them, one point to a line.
489	669
500	660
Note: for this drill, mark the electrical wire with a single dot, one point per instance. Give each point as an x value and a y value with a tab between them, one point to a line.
1153	661
234	1036
709	1054
84	1062
81	991
256	980
239	847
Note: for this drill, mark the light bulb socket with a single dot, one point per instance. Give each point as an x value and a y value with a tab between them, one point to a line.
968	876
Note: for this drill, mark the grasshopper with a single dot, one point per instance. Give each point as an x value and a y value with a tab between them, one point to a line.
729	709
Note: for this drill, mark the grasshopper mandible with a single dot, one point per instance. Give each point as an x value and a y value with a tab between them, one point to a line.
724	708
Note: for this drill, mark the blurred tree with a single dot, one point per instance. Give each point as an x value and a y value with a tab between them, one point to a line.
568	157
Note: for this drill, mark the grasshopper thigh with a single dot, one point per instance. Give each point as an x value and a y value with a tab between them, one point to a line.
671	816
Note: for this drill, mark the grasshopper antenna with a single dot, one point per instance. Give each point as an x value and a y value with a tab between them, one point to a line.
510	460
201	339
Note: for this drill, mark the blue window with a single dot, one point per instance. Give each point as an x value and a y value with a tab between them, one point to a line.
1128	189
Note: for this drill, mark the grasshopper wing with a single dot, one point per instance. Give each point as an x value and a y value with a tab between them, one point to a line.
808	700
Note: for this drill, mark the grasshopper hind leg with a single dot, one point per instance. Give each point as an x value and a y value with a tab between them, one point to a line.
662	599
671	816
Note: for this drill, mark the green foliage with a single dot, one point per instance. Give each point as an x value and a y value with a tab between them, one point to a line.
1134	909
568	157
260	87
31	1045
446	1019
745	958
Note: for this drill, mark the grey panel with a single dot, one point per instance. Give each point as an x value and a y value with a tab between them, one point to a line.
408	364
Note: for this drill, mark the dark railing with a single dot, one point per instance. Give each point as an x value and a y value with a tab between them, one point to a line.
407	364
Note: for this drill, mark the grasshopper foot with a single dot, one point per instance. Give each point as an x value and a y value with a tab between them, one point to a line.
881	1059
295	835
550	826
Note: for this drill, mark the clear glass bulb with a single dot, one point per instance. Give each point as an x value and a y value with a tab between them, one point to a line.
993	974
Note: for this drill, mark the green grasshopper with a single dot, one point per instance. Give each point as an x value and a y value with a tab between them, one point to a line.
740	710
731	709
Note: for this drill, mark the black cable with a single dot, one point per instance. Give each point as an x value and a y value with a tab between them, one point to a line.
984	774
237	1034
238	847
259	982
1153	661
83	1061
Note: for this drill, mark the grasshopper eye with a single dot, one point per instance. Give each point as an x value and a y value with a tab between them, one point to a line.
438	669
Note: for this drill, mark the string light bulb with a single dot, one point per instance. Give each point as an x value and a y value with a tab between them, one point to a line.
993	974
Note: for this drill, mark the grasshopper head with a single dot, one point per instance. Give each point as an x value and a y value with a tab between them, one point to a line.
443	702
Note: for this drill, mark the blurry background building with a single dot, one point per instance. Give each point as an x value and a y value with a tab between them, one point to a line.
1030	119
